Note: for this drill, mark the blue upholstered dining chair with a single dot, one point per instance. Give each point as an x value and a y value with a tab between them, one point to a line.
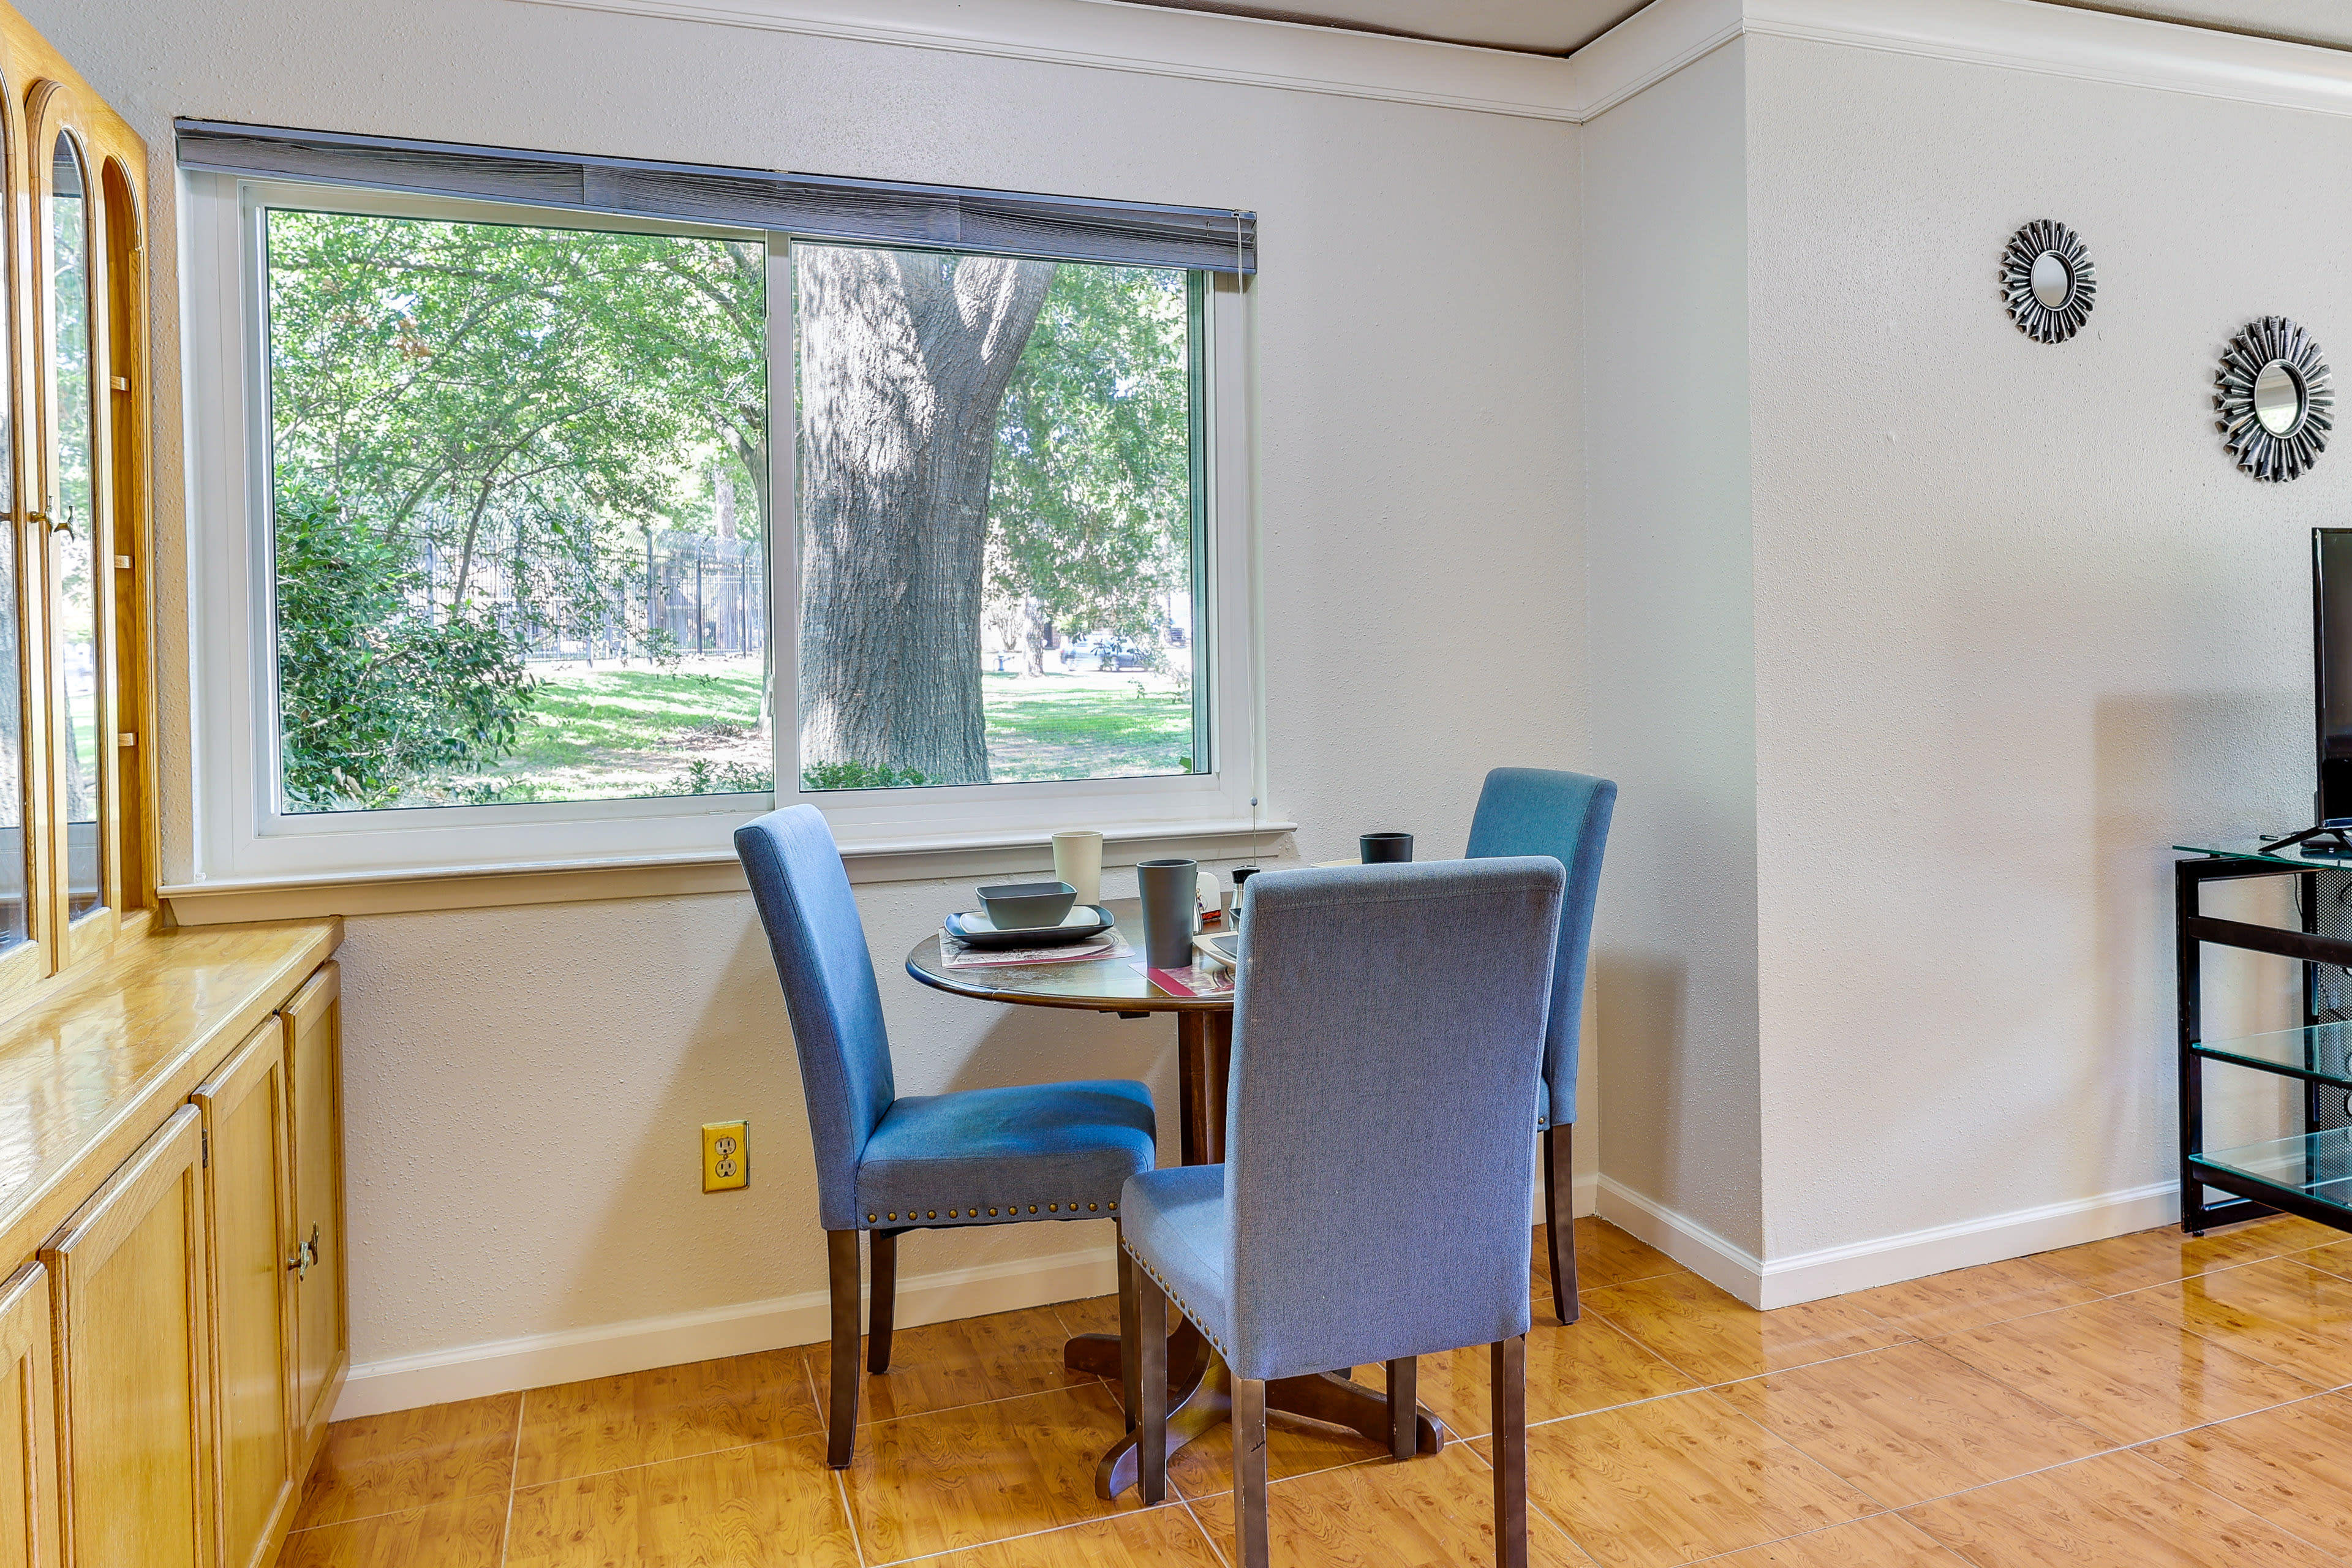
888	1163
1388	1031
1535	811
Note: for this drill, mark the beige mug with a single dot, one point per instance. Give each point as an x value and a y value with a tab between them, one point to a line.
1078	860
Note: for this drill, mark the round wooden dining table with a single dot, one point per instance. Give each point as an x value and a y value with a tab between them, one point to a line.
1200	1394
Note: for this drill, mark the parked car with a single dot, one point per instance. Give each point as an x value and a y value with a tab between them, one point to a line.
1103	653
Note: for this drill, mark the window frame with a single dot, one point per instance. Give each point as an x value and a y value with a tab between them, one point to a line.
243	835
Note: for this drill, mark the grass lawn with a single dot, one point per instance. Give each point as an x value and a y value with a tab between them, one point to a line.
1084	726
608	732
604	734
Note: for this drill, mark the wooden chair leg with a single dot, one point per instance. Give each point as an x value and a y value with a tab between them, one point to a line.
1404	1403
1152	1376
882	1304
840	1256
1508	1387
1559	1217
1129	1363
1249	1473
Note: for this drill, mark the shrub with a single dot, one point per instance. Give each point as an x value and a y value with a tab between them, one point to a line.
374	699
703	777
662	650
858	776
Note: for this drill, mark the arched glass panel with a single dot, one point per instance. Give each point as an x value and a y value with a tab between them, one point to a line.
14	923
73	527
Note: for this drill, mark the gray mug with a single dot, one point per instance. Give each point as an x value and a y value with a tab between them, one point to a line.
1170	890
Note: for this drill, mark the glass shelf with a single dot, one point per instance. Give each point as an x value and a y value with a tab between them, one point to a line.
2317	1164
2322	1051
2295	856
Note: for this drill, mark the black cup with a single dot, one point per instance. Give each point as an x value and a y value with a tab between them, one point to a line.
1170	890
1384	848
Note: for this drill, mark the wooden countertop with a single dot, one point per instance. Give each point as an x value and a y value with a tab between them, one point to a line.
92	1065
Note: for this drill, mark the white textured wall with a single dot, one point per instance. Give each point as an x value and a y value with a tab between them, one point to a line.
2020	622
525	1084
1673	718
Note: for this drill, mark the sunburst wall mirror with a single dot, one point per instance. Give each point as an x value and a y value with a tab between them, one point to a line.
2048	281
2274	399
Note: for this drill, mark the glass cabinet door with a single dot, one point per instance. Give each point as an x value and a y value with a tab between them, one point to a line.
78	845
74	530
15	915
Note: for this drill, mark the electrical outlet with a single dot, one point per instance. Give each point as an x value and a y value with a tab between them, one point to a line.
726	1156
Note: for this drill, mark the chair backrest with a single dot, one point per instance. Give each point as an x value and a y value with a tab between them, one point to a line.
1380	1160
803	892
1536	811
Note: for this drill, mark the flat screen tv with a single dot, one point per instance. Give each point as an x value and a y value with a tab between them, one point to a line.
2331	622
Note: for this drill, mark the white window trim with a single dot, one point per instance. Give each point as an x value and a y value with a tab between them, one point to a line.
243	842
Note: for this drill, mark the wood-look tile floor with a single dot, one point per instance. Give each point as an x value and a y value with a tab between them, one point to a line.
2148	1400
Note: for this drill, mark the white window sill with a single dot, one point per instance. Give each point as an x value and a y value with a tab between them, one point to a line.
234	900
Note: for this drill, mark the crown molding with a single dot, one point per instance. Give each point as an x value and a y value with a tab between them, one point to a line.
1639	52
1648	46
1107	35
2011	35
2087	46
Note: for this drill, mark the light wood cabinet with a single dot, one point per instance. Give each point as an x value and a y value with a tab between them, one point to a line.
312	1021
134	1360
28	1433
250	1205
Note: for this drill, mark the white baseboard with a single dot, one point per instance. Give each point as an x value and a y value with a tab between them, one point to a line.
468	1371
1834	1270
1682	1238
535	1360
502	1366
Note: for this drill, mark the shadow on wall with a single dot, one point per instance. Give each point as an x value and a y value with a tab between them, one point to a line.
740	1248
2168	768
1639	1055
737	1060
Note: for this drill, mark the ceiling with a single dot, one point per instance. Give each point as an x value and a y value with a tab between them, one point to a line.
1531	26
1557	26
2328	22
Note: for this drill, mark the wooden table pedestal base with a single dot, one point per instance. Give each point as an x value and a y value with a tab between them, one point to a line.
1200	1399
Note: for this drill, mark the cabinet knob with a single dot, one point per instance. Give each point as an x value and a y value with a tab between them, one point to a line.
305	1254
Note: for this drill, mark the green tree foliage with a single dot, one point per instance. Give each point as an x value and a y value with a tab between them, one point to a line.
375	700
1091	510
444	391
479	428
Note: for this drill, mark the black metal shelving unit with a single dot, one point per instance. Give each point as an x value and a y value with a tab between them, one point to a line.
2307	1172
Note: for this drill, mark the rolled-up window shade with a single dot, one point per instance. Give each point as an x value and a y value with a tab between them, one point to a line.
873	212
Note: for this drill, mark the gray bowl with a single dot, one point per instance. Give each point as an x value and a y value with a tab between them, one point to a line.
1025	905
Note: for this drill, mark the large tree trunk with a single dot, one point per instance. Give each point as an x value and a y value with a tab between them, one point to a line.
904	362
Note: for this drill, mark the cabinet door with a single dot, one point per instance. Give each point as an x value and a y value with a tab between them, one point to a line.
134	1410
322	1351
28	1431
249	1205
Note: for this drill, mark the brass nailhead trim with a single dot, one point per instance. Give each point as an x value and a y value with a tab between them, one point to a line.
871	1219
973	1213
